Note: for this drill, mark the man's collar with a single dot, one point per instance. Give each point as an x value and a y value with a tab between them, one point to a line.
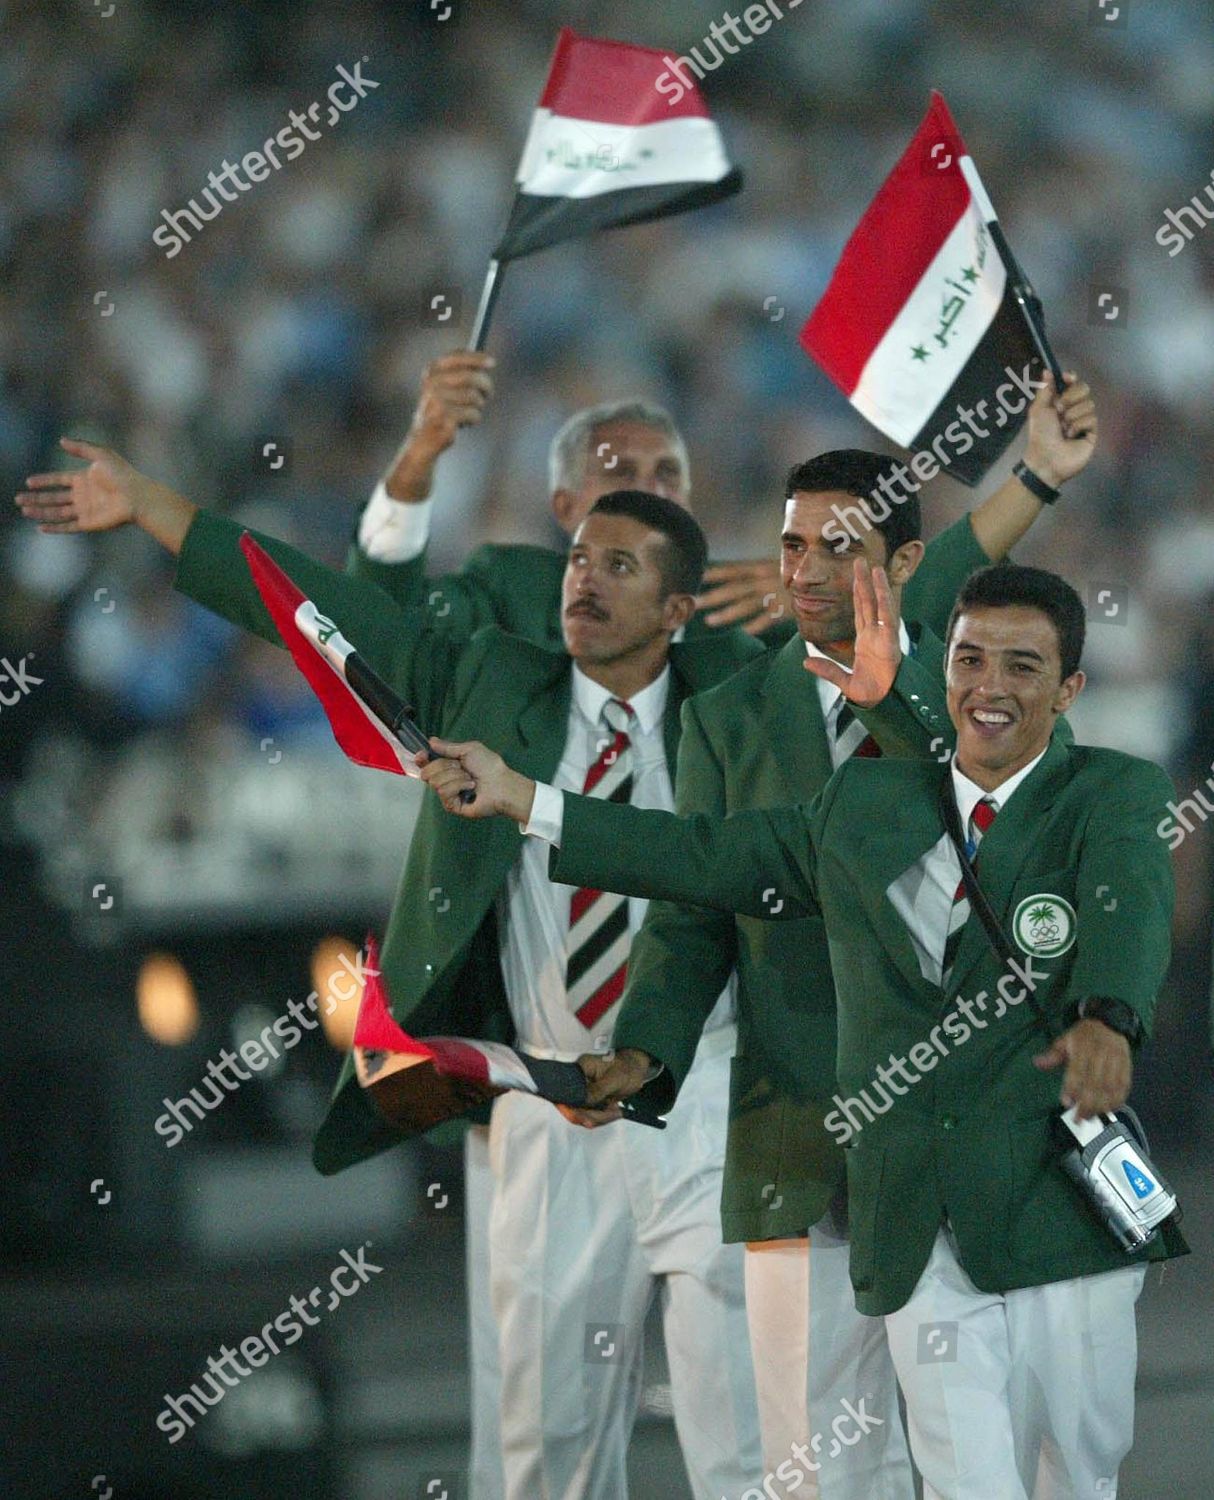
828	690
648	705
969	793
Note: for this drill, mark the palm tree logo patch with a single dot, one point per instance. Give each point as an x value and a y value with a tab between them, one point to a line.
1044	925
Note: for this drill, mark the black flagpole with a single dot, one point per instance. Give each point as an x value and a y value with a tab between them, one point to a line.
1022	288
484	311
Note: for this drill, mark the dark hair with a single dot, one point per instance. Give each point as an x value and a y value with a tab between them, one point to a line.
684	552
1009	584
859	473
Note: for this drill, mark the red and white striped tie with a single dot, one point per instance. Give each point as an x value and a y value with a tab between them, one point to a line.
980	820
597	945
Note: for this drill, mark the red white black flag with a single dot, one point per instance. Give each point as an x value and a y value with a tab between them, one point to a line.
607	148
419	1082
360	706
919	323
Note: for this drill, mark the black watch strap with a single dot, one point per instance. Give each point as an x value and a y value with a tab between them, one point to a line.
1115	1014
1035	484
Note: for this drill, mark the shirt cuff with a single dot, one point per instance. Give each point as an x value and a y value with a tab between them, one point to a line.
391	531
547	814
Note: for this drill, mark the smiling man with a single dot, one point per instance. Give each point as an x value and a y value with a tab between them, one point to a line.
1009	1308
766	737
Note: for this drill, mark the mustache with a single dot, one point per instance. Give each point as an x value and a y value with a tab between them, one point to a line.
589	607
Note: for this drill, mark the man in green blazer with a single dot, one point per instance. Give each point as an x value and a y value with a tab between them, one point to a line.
1009	1308
764	738
480	943
622	444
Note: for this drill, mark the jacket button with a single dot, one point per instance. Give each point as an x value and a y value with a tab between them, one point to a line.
948	1122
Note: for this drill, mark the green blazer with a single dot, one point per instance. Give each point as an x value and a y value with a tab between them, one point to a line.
781	1167
439	956
519	588
970	1137
759	740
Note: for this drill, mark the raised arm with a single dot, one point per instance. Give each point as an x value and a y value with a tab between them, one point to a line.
109	493
390	545
1062	434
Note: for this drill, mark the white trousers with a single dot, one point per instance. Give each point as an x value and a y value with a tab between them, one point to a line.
1021	1395
487	1481
813	1355
585	1227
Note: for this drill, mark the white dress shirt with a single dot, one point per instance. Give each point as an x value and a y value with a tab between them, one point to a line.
393	531
832	699
923	894
547	810
533	911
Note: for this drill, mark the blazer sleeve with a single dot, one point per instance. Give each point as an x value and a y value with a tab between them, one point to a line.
400	644
405	583
682	957
912	719
756	863
1125	892
948	560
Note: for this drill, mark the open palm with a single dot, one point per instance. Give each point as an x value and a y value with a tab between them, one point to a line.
878	649
96	498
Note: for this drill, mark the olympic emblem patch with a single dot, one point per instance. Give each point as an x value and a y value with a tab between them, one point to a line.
1044	925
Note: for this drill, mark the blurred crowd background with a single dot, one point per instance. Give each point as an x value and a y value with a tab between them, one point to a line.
182	848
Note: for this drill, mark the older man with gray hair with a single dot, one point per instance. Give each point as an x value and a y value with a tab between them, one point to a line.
628	444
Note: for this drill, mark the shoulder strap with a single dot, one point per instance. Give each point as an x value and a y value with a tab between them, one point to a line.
995	933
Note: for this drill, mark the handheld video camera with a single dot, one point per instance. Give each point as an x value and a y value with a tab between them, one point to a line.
1106	1158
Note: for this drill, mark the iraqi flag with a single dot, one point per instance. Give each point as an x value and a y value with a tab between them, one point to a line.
369	721
920	318
417	1083
609	145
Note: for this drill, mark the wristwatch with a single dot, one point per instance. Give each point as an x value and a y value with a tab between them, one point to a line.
1035	484
1115	1014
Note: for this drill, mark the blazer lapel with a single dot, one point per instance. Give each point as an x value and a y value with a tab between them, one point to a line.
680	691
543	723
884	854
1005	847
794	724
